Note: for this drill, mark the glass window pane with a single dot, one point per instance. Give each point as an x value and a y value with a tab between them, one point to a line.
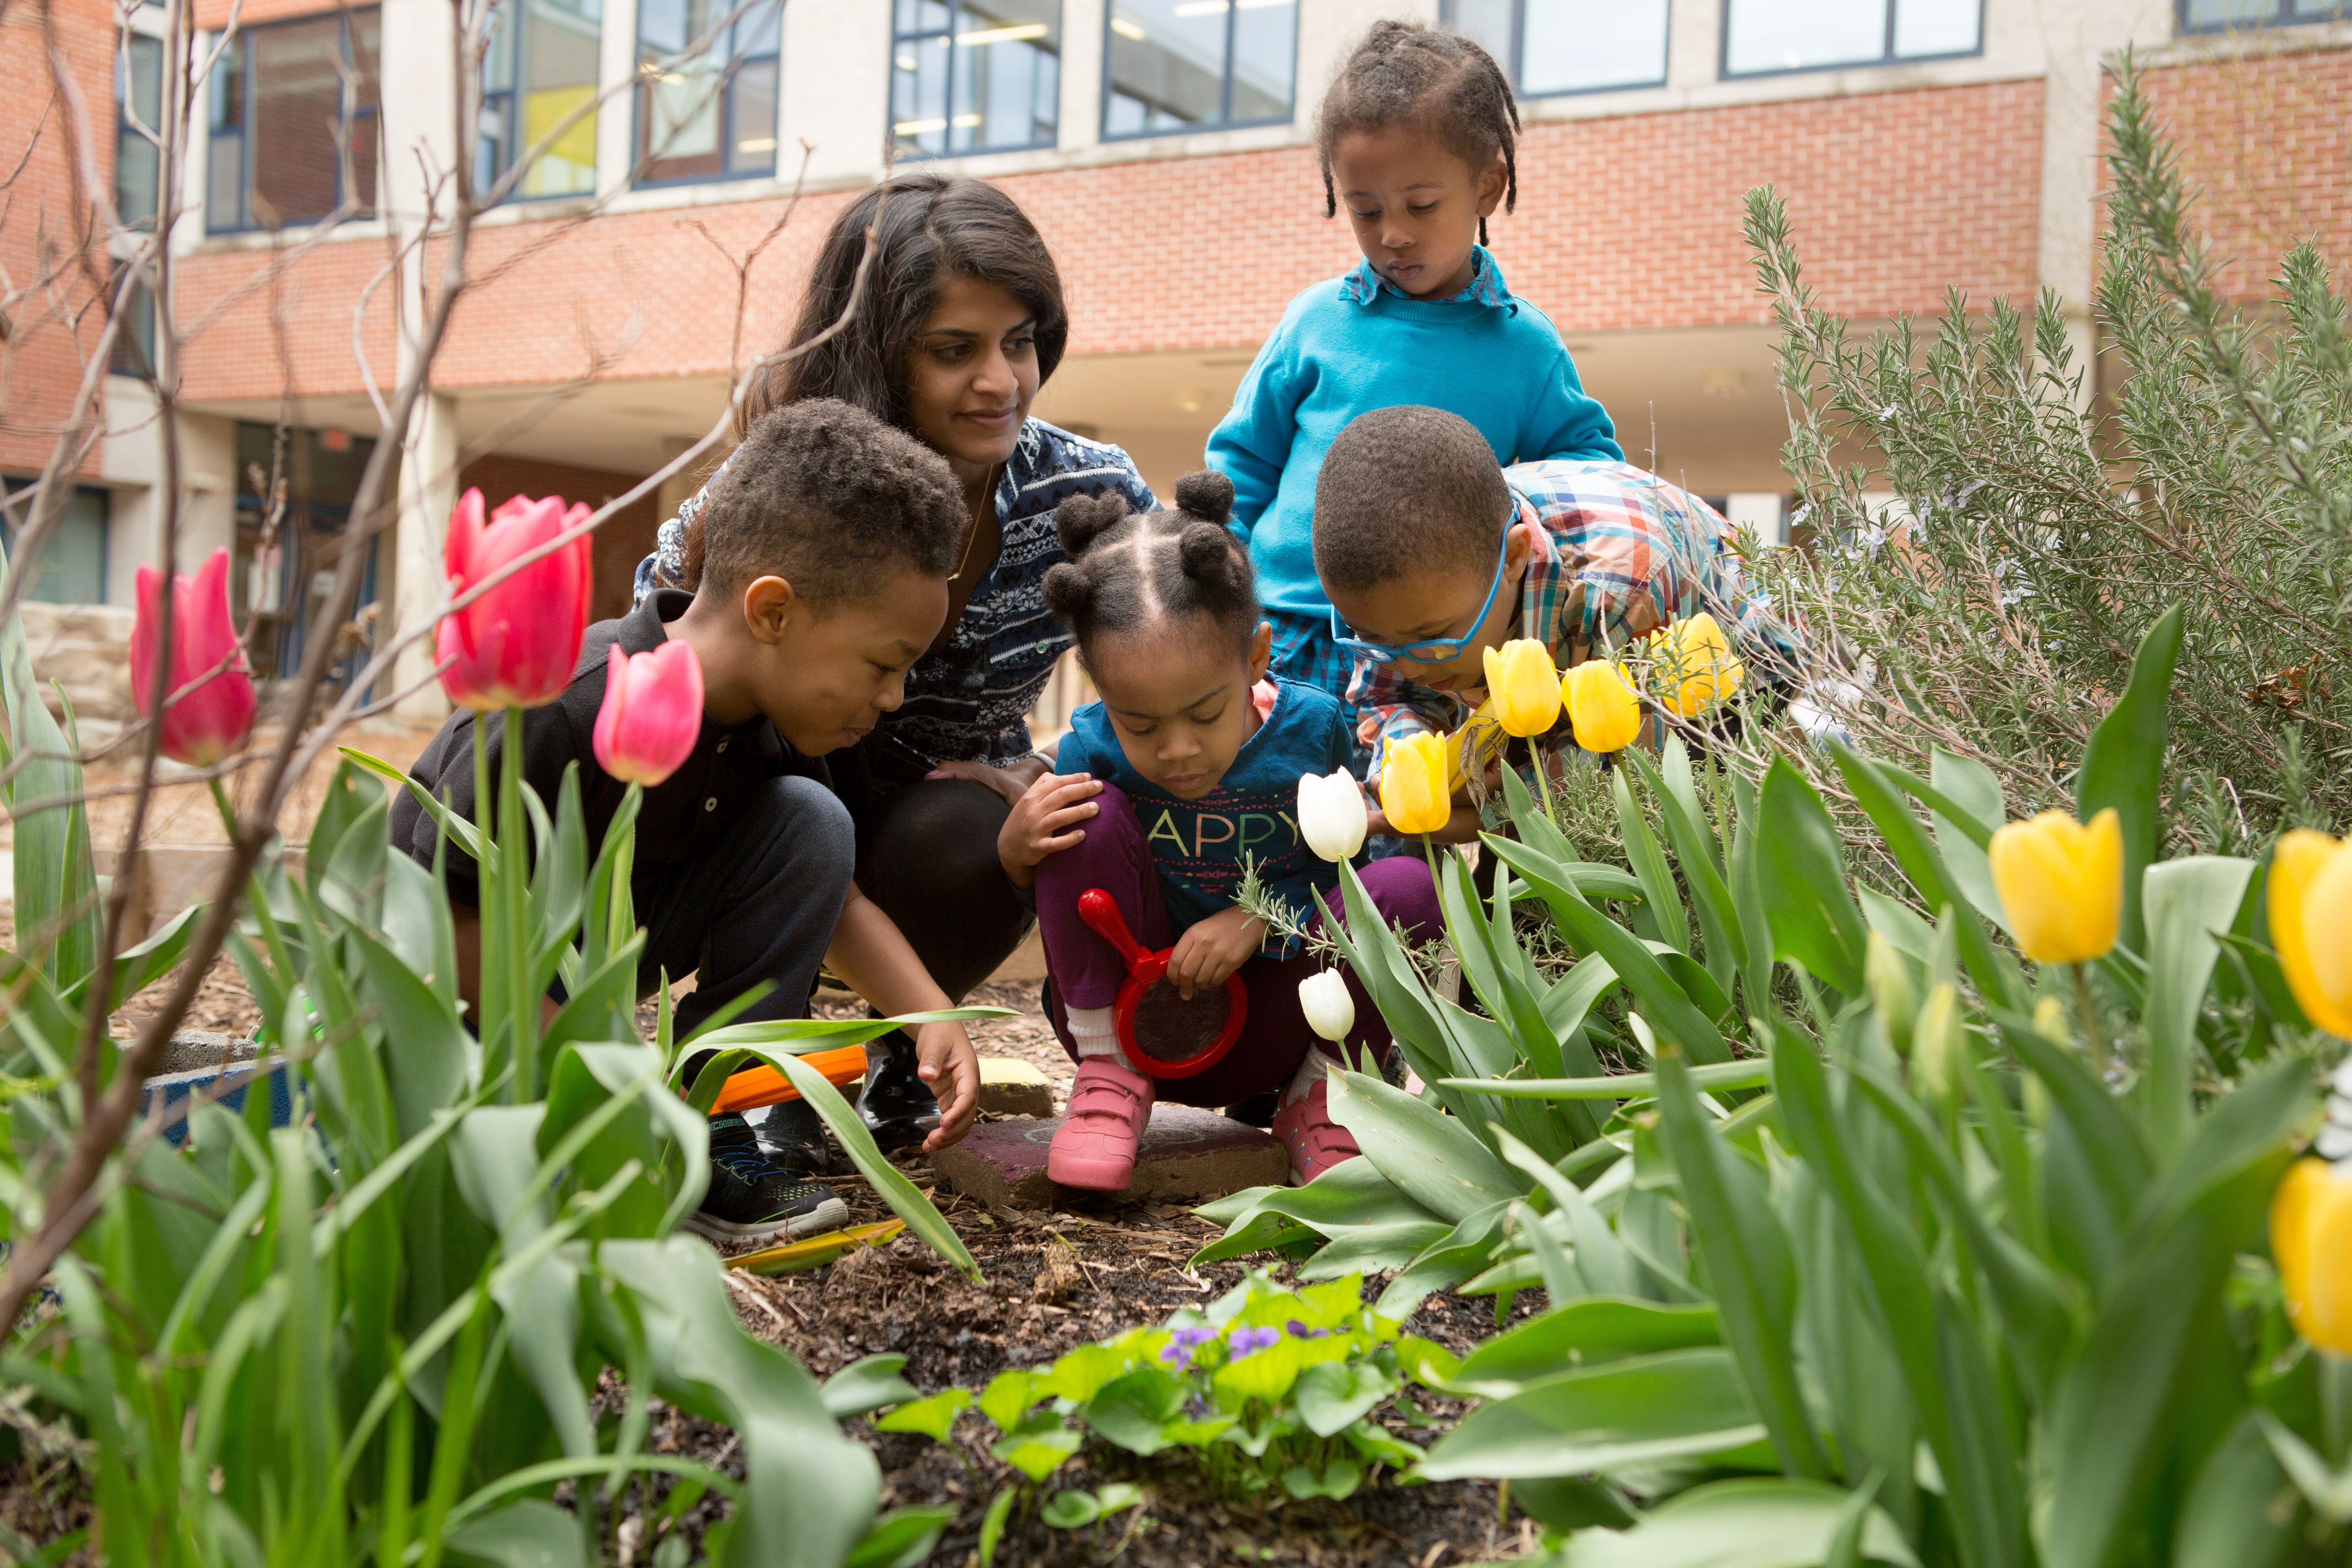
1167	64
1937	27
561	40
1008	79
71	566
1799	35
136	158
298	101
753	122
2319	8
918	96
1265	43
684	107
225	180
1575	46
2231	13
1488	24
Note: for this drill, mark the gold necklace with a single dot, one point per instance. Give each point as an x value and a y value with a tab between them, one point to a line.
971	534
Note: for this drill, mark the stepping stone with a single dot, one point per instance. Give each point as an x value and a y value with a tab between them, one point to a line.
199	1050
1189	1156
1011	1086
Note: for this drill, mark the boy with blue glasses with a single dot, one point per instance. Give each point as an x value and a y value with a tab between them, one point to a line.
1431	554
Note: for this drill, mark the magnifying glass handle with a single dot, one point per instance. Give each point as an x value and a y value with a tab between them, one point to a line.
1098	910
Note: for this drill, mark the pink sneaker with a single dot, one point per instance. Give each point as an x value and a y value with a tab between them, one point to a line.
1095	1146
1315	1141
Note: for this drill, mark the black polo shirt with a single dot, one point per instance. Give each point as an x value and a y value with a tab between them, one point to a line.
681	819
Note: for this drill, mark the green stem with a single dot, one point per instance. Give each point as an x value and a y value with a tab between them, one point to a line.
271	937
2094	1037
514	879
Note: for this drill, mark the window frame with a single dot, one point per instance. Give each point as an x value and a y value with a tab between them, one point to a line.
955	45
10	484
243	135
1225	85
1724	72
2279	18
510	140
640	98
125	134
1448	8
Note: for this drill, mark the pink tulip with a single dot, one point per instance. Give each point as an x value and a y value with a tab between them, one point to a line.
652	713
209	704
515	646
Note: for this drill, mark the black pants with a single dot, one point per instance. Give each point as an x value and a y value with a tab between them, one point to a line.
762	905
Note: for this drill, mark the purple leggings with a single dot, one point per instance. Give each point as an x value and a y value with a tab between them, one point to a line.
1088	971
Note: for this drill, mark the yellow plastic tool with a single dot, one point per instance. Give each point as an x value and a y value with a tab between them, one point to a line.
765	1085
814	1251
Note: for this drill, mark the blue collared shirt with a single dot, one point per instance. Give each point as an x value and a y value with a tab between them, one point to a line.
1486	286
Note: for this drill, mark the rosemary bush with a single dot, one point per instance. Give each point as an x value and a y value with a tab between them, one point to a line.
2044	514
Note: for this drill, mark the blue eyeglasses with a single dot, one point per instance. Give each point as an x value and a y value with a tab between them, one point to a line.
1437	650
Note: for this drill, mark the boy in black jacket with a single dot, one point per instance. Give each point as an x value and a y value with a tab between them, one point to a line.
827	545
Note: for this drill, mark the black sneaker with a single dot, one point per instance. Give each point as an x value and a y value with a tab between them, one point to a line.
897	1107
753	1199
791	1135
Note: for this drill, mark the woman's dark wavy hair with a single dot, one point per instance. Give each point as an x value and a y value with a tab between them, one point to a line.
928	226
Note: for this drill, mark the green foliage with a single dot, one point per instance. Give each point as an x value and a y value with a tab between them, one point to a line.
377	1335
1920	1276
1265	1389
2057	481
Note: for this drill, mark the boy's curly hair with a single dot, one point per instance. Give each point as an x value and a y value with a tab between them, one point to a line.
823	495
1127	570
1404	492
1407	74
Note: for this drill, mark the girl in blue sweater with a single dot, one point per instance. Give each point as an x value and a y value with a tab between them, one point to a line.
1184	777
1419	138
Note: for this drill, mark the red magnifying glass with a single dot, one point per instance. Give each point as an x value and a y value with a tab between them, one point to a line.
1160	1034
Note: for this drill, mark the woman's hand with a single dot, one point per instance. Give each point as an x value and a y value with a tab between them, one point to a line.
1044	821
947	1062
1008	781
1207	955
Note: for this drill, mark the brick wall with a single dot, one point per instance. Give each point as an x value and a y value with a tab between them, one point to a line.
623	540
48	227
2267	140
1628	222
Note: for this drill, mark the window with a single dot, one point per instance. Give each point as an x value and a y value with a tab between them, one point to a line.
2225	16
541	66
135	345
974	77
1569	45
138	92
71	566
294	122
1762	36
713	116
1186	64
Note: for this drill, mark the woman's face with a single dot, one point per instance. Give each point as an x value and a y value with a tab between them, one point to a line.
974	374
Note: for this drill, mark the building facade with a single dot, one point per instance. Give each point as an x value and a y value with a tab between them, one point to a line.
1165	149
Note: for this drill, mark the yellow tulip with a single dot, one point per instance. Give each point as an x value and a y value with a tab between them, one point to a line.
2311	924
1473	748
2061	884
1412	784
1522	687
2311	1237
1602	707
1695	664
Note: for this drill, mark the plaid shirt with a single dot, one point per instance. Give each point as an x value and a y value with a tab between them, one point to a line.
1619	553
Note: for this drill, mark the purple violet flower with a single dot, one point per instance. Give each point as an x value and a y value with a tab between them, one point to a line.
1183	1343
1300	1331
1248	1341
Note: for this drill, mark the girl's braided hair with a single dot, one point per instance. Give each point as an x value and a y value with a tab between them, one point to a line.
1404	73
1128	571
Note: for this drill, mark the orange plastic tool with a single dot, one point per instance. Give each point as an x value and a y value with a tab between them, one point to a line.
765	1085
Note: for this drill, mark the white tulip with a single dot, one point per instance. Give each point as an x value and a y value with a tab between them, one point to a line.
1330	1010
1331	816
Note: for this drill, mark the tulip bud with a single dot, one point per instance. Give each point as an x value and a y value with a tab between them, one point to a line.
1891	991
1413	796
1330	1010
1937	1040
515	646
2050	1022
2311	1239
652	714
209	700
1522	687
2311	925
1602	706
1331	813
2061	884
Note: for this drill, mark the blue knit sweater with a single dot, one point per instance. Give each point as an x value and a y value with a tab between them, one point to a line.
1356	343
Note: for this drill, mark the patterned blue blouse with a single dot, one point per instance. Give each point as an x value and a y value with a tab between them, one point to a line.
969	701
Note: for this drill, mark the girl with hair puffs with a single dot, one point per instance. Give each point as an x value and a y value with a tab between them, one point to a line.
1184	777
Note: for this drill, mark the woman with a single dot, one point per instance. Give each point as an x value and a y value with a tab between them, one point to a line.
960	322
